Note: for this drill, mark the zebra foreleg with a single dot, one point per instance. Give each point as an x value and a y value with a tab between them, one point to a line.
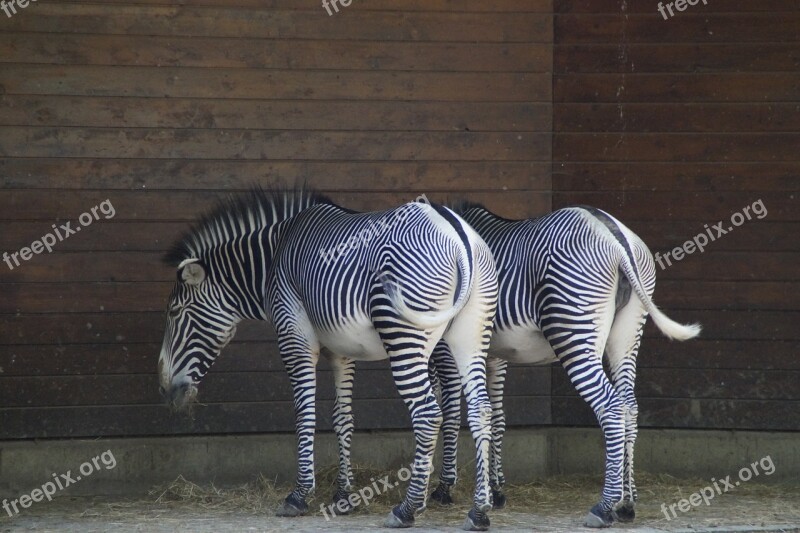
301	366
344	376
496	369
450	383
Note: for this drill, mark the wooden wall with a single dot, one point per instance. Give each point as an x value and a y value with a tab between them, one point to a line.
671	125
522	104
163	109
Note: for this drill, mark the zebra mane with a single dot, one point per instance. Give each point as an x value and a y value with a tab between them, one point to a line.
242	214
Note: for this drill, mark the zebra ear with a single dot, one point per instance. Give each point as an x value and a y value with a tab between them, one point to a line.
193	274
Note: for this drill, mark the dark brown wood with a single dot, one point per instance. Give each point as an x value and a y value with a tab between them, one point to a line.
225	83
164	110
673	127
440	26
131	50
453	177
205	113
260	144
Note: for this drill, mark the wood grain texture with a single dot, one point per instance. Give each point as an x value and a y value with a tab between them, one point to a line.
675	127
163	110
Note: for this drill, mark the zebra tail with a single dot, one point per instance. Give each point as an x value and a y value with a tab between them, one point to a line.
431	319
672	329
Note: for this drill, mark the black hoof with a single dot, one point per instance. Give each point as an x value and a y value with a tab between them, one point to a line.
341	502
626	512
498	499
293	505
442	495
398	519
476	521
597	517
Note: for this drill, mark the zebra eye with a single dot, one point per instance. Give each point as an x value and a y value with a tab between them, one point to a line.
174	311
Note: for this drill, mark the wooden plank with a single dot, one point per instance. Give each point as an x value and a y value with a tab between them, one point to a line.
115	143
703	207
479	6
174	206
132	50
704	384
130	236
128	329
216	387
171	82
211	113
156	420
451	176
765	415
752	117
721	176
691	27
592	7
670	88
656	147
141	20
701	353
690	57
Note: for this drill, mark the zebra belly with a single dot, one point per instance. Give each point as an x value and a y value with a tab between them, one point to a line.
356	340
522	344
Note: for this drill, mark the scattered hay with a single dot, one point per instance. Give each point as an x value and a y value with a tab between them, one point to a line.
557	496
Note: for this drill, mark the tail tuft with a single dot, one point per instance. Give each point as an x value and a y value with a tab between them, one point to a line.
674	330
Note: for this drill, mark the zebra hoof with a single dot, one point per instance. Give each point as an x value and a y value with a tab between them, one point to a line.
476	521
626	511
598	518
498	499
292	506
442	495
341	502
395	521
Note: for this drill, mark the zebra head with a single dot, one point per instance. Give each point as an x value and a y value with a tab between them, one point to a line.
222	261
199	326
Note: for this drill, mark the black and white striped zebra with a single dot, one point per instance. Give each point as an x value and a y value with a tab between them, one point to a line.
365	286
575	285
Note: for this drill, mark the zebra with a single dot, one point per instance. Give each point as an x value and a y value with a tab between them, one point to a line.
363	286
574	285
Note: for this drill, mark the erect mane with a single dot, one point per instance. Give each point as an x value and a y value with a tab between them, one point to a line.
242	214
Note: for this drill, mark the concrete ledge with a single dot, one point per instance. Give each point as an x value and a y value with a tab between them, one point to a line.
530	454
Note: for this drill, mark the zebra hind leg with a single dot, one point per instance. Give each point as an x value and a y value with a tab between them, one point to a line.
622	350
344	375
496	370
410	372
579	349
450	383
